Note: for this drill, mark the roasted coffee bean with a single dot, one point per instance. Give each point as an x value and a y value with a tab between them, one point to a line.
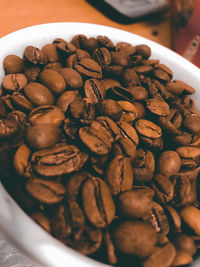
47	114
109	108
38	94
163	187
109	83
65	49
157	219
81	111
130	77
102	56
56	66
58	160
173	218
130	236
72	78
191	123
97	202
129	112
94	90
158	107
8	127
66	98
190	215
169	163
14	82
119	175
185	243
88	67
21	161
42	136
143	50
182	258
110	125
104	41
129	132
50	52
20	102
13	64
135	203
148	128
188	152
44	191
177	87
32	73
124	146
143	166
53	80
161	256
34	55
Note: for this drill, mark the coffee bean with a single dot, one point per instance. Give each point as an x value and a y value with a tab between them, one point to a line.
148	128
44	191
34	55
14	82
13	64
169	163
21	161
89	68
72	78
119	175
46	114
94	90
97	202
38	94
58	160
53	80
135	203
42	220
130	236
42	136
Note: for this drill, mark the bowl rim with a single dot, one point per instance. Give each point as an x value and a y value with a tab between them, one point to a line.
44	248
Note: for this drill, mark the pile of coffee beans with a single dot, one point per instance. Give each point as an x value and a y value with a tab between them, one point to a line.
101	147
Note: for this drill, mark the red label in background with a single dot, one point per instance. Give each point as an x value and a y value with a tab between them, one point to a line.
186	36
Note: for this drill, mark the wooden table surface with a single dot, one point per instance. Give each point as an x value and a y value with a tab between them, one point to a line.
17	14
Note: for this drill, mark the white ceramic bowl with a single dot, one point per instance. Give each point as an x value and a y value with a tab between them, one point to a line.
21	230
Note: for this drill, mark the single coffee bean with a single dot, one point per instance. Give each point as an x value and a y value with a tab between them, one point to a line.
161	256
21	102
58	160
32	73
190	215
143	50
143	166
158	107
81	110
124	146
13	64
188	152
44	191
130	236
129	112
14	82
163	187
72	78
169	163
94	90
130	77
102	56
89	68
109	108
177	87
50	52
42	136
34	55
47	114
104	41
191	123
157	219
38	94
182	258
135	203
21	161
173	218
97	202
53	80
185	243
119	175
148	128
129	132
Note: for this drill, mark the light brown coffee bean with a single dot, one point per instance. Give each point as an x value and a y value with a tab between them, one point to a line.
169	163
38	94
119	175
53	80
44	191
148	128
97	202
